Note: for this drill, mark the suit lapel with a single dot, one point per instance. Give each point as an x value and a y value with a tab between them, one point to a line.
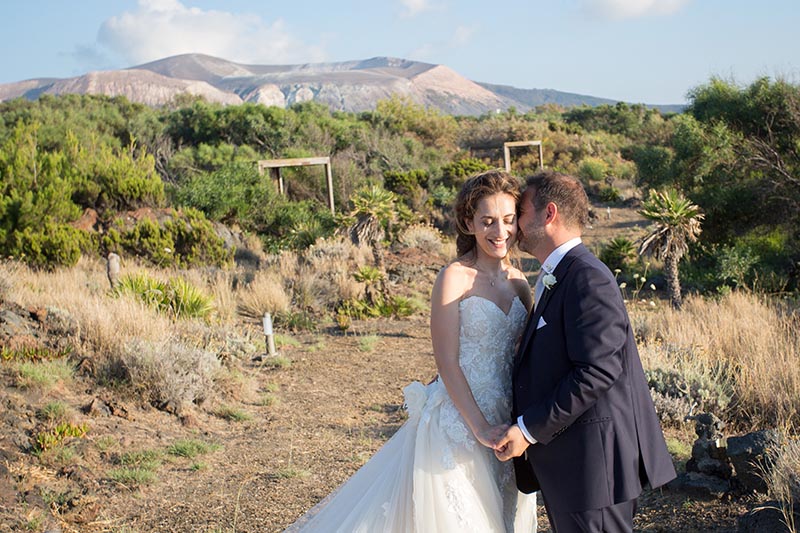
533	321
530	329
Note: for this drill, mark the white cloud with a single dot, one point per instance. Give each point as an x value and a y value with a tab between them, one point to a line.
428	51
415	7
461	36
625	9
162	28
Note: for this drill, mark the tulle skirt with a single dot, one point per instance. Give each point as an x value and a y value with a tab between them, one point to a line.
431	476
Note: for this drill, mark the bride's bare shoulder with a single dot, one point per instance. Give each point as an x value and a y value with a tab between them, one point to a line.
456	276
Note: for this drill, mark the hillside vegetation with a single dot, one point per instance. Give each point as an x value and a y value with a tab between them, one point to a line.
208	245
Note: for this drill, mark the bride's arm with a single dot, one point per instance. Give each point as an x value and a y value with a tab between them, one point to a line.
448	290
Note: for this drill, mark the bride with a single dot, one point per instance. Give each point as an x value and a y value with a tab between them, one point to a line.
438	473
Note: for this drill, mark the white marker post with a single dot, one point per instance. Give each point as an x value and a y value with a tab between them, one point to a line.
270	340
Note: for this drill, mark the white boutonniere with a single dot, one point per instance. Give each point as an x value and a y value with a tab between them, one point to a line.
549	281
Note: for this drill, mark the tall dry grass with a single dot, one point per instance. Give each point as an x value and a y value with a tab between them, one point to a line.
181	364
264	294
782	477
742	341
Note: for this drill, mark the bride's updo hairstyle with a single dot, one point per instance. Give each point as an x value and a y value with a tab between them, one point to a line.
476	187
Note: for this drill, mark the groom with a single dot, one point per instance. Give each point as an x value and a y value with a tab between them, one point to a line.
586	431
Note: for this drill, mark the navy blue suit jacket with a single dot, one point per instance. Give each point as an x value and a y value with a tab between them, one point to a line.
581	390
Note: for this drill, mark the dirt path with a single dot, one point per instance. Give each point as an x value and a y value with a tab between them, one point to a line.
337	403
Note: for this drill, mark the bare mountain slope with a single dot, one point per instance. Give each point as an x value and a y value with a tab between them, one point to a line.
137	85
346	86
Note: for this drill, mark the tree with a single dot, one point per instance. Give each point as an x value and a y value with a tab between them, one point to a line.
677	223
372	208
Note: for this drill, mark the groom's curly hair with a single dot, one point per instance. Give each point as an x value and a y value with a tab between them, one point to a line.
476	187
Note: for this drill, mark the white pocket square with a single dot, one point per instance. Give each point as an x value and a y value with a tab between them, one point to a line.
541	323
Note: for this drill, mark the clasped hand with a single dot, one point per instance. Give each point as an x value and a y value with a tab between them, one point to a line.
512	444
506	441
492	435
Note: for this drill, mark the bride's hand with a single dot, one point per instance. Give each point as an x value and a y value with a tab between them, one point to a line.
491	435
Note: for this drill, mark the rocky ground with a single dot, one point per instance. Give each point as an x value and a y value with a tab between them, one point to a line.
300	427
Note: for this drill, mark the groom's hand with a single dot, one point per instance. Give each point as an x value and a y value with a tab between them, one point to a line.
512	444
490	436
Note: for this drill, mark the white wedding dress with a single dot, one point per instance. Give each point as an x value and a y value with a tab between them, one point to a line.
432	475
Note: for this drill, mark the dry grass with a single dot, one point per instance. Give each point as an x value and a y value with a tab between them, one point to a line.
221	289
265	294
423	236
169	361
743	340
783	481
83	292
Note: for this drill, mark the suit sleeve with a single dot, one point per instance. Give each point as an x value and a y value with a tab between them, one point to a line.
595	332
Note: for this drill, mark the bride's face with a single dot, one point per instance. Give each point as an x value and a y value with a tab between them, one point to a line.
494	224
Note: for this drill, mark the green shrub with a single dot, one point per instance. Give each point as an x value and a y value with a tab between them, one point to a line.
609	194
455	174
51	246
735	264
295	320
368	274
277	362
410	188
442	196
619	253
593	169
186	239
286	225
403	307
368	343
706	392
176	297
187	300
196	243
151	291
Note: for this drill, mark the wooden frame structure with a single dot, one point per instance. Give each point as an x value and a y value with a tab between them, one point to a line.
275	166
507	152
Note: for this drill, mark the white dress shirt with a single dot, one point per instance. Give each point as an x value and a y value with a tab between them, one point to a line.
548	267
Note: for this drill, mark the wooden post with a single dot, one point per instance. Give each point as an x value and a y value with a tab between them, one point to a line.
507	152
275	166
330	186
276	175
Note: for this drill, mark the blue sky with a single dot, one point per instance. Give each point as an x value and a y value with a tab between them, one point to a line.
650	51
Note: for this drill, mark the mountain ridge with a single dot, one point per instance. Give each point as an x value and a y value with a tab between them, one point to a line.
355	85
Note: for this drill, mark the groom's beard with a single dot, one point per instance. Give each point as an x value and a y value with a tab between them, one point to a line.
528	240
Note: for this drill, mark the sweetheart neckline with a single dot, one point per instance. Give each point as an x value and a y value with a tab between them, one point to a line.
496	305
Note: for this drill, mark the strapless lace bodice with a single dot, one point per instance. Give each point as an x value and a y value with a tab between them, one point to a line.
487	341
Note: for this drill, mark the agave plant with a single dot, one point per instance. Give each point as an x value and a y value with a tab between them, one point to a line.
372	208
619	252
677	223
